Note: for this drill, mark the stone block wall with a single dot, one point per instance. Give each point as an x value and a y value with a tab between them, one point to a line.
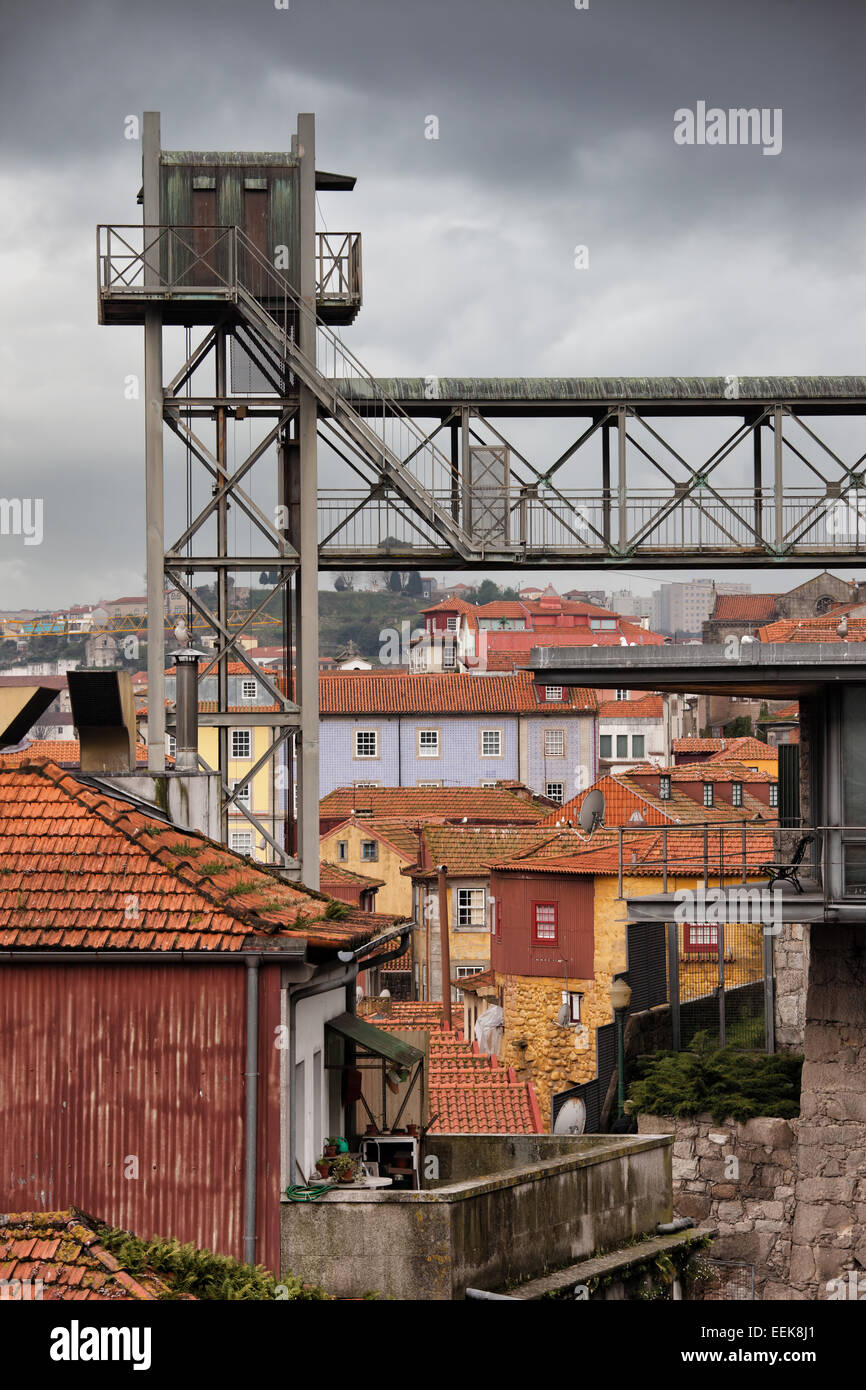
791	969
741	1179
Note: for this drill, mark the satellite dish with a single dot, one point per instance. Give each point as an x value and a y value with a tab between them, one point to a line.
563	1018
571	1118
591	814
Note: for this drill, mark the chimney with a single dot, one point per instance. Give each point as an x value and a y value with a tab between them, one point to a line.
186	708
103	711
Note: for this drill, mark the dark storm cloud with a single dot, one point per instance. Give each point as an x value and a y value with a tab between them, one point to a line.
556	127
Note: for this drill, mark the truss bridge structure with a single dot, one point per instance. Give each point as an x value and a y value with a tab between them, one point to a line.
291	456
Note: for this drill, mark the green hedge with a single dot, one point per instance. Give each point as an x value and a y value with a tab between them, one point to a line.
724	1083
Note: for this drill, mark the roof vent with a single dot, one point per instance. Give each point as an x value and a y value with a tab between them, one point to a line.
103	711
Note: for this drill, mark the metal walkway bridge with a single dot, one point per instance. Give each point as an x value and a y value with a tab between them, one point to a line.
645	472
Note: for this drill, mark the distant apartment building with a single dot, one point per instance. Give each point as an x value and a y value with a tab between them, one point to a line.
634	728
684	606
392	729
641	607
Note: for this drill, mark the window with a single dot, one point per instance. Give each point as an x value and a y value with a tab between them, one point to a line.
702	938
366	743
241	841
488	784
249	690
620	694
736	793
172	745
342	849
603	624
243	794
242	744
369	851
708	794
637	745
449	656
451	624
664	788
463	973
428	743
622	745
574	1002
471	908
491	743
554	743
544	923
774	793
553	692
428	784
555	791
605	746
365	784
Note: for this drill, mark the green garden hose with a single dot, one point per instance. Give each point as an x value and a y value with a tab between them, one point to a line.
310	1193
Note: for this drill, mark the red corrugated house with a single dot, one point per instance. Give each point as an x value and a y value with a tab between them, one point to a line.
146	974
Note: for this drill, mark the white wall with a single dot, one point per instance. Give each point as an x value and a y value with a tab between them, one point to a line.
311	1082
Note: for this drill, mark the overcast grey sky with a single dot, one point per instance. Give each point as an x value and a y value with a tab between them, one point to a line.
556	128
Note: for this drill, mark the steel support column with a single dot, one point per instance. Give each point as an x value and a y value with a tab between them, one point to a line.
154	488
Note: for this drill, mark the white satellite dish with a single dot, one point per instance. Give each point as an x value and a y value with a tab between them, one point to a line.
571	1118
591	814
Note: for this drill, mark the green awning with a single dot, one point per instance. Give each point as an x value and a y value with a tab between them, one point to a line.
375	1040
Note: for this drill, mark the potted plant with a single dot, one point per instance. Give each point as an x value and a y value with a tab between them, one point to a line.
323	1167
330	1147
345	1170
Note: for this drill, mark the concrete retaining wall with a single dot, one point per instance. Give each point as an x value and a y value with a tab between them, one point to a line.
511	1225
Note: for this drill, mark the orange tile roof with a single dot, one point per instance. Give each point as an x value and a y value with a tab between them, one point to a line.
744	607
83	868
62	1249
813	630
622	801
739	749
708	771
698	745
338	873
59	751
648	707
469	1092
377	692
646	854
791	711
423	804
523	641
470	849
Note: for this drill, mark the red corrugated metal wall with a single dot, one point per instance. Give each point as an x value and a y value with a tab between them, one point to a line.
100	1064
515	953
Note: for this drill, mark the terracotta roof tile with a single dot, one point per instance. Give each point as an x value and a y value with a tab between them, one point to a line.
86	869
813	630
62	751
376	692
648	707
738	749
744	607
491	805
62	1249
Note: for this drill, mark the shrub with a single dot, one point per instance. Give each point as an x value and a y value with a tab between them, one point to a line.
725	1083
189	1270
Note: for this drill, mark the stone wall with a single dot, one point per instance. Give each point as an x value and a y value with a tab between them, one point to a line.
829	1235
740	1179
791	970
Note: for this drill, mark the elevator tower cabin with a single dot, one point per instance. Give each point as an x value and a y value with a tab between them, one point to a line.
239	296
231	281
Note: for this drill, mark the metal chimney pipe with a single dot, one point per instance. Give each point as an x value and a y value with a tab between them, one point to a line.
186	708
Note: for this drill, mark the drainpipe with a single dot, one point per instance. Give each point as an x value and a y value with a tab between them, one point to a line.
445	945
252	1109
332	978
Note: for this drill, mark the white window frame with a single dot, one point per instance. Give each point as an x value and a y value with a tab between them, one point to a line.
238	735
369	858
429	786
449	651
553	693
709	797
431	749
243	798
488	784
358	735
736	793
634	752
451	624
171	740
246	693
774	794
551	736
468	915
550	794
484	734
665	788
246	836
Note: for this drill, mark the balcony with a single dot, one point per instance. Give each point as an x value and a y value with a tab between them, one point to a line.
721	872
193	271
